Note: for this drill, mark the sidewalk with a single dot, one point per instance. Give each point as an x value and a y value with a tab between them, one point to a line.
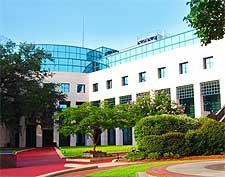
35	162
211	168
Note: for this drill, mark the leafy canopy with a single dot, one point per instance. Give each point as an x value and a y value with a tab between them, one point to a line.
89	119
24	90
208	18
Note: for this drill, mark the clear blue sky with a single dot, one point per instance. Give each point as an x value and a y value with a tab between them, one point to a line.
110	23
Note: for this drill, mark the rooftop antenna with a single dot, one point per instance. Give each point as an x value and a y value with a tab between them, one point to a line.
83	34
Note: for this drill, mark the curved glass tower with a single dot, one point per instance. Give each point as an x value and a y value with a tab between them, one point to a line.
75	59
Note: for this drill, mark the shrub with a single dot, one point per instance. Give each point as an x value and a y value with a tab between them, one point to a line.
174	142
151	143
208	139
136	155
161	124
169	155
154	156
170	142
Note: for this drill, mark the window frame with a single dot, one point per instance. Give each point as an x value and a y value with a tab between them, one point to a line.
124	80
142	76
207	65
63	87
82	90
95	87
161	74
183	67
109	84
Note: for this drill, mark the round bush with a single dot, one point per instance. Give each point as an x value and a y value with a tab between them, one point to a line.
161	124
208	139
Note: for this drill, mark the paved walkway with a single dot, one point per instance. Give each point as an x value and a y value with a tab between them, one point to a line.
211	168
42	161
35	162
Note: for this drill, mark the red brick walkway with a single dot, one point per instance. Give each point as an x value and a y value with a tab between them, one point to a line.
35	162
161	171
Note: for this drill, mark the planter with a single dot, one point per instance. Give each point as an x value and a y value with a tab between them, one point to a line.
94	155
7	160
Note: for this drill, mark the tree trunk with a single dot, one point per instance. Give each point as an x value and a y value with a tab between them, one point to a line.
97	133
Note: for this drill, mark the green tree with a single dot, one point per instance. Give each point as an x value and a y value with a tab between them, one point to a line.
208	18
89	119
24	94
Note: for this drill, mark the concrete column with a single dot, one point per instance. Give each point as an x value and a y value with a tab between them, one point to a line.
173	92
104	138
197	100
55	134
133	139
117	100
39	136
88	141
119	136
73	140
22	133
133	96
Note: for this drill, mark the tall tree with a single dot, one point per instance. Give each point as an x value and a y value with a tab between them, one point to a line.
208	18
24	93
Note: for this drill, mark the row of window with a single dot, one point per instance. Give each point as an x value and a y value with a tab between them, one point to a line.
65	88
210	92
182	92
183	68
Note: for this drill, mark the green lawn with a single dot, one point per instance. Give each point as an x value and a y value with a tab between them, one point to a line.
78	150
129	171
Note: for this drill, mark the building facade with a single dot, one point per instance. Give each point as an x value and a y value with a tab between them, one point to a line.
193	75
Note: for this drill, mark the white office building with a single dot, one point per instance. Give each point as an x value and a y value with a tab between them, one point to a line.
193	75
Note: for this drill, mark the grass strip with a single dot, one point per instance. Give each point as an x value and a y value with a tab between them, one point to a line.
129	171
78	150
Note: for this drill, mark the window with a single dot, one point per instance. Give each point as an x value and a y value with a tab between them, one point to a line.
210	92
96	103
210	88
95	87
125	99
65	87
183	67
186	91
208	62
111	101
109	84
124	80
166	91
142	77
162	72
80	88
64	105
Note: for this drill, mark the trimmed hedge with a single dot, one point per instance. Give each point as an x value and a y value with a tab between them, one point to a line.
161	124
172	142
174	136
208	139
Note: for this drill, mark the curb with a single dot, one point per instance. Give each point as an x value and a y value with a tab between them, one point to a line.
23	150
61	172
59	153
